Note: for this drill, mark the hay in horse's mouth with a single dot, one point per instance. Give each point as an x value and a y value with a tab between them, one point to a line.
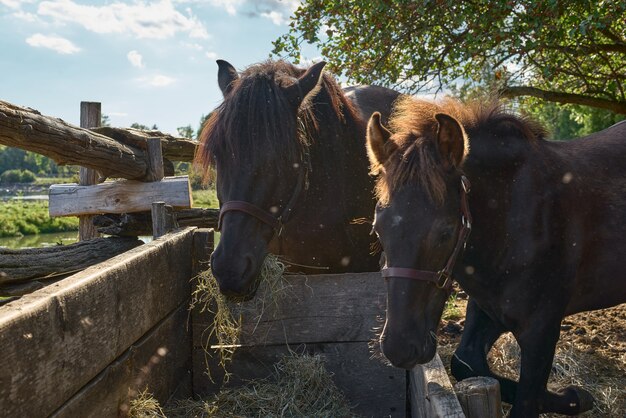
223	334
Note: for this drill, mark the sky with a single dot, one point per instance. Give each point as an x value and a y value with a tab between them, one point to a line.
147	62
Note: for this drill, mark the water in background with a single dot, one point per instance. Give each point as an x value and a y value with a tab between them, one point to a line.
46	240
39	240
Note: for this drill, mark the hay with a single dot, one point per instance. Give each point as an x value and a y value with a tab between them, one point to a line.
145	406
570	366
576	362
299	387
223	334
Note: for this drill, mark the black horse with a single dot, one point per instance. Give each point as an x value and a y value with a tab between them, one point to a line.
547	241
288	147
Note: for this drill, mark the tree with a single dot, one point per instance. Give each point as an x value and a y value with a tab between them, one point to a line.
185	132
563	51
142	127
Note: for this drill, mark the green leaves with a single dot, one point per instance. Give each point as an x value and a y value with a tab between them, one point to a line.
575	47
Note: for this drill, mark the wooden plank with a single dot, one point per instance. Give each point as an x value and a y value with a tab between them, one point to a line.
57	339
159	362
316	308
25	128
118	197
373	388
431	392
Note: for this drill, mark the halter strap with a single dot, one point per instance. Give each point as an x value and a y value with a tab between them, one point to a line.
250	209
443	278
276	223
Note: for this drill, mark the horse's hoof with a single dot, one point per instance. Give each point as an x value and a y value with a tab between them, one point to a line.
584	400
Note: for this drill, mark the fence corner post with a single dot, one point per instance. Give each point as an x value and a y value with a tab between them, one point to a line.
90	117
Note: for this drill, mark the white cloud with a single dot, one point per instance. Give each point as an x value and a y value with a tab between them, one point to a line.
157	80
25	16
135	59
192	45
278	11
56	43
230	6
14	4
211	55
156	20
276	17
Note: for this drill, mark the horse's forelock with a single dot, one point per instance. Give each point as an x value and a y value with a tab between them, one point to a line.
255	120
415	128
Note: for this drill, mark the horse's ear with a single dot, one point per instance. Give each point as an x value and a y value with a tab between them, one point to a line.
305	85
379	146
225	76
451	140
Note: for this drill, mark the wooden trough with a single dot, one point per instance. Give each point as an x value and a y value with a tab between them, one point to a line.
86	345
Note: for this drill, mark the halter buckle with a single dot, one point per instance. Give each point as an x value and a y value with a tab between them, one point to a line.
467	186
444	280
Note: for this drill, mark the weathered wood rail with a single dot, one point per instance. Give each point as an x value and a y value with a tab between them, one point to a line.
123	155
36	263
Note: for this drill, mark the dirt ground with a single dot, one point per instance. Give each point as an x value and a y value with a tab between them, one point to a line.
591	353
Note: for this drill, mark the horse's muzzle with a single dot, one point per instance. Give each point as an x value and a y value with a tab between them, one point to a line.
237	279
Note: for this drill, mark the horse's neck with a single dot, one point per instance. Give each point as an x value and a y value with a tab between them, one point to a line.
338	158
503	199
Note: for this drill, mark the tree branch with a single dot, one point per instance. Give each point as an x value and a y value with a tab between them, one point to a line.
556	96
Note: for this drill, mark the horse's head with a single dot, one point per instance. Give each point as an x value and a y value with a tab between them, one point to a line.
419	223
254	141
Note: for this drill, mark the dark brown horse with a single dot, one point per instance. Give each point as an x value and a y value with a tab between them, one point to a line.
288	146
548	237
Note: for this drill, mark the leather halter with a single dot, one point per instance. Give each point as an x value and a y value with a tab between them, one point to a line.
275	222
442	278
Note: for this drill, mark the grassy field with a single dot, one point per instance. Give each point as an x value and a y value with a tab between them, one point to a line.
24	218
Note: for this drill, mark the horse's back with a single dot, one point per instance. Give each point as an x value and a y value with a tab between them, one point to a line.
370	99
600	200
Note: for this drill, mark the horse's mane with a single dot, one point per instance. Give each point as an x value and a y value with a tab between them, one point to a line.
255	119
415	132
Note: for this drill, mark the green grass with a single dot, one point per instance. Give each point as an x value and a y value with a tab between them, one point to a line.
452	312
205	198
24	218
47	181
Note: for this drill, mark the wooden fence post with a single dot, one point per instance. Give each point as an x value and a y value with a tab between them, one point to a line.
432	395
90	117
155	160
159	220
479	397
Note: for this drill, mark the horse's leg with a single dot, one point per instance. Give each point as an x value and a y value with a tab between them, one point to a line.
470	357
537	343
